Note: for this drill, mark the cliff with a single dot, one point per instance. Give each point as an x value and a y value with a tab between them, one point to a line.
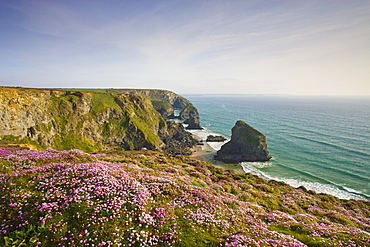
164	101
90	121
191	117
175	100
246	144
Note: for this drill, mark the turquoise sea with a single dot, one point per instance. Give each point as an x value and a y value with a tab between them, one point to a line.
322	143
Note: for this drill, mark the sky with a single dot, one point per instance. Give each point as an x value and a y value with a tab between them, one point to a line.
299	47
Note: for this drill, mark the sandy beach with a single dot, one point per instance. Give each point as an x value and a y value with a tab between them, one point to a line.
205	153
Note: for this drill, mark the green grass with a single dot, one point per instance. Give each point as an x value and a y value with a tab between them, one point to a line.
92	90
198	207
102	101
73	141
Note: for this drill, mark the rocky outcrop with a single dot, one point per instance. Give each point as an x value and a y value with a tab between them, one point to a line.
193	124
189	112
246	144
175	100
191	117
212	138
164	108
89	121
164	101
177	140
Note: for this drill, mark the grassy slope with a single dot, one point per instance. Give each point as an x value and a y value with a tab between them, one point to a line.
153	94
68	122
148	198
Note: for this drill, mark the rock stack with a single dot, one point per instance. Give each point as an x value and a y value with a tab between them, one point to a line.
246	144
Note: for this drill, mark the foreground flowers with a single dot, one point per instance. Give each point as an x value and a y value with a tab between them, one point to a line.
146	198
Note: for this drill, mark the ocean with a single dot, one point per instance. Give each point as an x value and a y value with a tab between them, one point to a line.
319	142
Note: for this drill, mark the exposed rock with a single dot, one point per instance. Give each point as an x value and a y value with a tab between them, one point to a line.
246	144
89	121
194	124
164	108
176	101
212	138
190	116
164	101
177	140
189	112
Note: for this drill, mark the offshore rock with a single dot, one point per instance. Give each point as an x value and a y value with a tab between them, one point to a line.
212	138
246	144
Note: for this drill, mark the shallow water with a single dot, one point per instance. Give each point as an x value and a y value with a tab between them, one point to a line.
322	143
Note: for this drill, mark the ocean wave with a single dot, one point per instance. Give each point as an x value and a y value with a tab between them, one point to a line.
332	145
311	167
203	134
311	139
253	167
331	189
351	190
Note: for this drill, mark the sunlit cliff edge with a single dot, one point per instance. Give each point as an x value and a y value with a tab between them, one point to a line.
93	120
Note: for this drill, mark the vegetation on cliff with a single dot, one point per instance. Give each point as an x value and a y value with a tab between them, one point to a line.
191	116
246	144
90	120
160	98
150	198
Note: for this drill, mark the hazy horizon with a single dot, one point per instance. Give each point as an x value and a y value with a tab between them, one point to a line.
200	93
188	46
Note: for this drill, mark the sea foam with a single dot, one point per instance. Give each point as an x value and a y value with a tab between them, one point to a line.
254	168
345	193
202	136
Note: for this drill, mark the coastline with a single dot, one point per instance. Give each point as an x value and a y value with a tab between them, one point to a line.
317	170
205	153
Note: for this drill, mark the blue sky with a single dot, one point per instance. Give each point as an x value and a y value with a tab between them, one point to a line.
188	46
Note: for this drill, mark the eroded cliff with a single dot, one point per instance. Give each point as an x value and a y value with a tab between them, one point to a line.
164	101
90	121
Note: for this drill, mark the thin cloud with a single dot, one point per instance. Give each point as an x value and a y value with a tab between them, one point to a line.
153	43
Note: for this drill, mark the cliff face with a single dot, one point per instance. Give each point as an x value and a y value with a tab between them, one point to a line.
175	100
191	116
90	121
164	101
246	144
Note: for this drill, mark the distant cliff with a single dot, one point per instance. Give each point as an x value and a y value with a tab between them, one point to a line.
91	120
175	100
164	101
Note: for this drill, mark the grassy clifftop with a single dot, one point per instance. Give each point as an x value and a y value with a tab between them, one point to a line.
158	95
149	198
87	120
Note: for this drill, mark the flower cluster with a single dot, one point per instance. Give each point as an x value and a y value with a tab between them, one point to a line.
148	198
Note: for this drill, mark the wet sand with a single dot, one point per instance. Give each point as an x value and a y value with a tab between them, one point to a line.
205	153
